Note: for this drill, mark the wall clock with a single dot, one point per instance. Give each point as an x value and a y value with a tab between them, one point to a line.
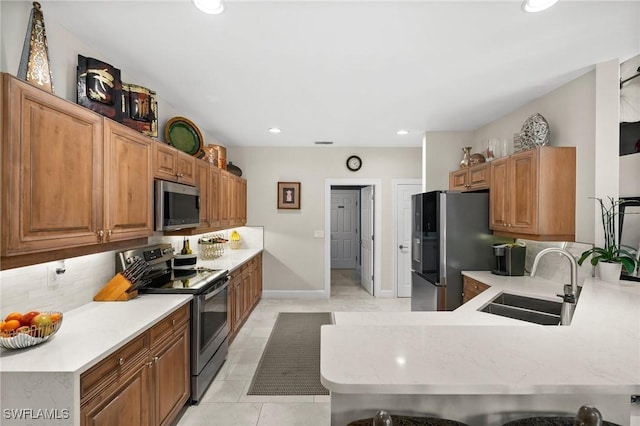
354	163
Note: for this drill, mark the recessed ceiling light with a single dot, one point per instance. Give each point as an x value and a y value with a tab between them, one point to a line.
402	132
274	130
211	7
531	6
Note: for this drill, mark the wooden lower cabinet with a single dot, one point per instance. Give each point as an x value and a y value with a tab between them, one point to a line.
125	402
471	288
146	382
171	385
245	291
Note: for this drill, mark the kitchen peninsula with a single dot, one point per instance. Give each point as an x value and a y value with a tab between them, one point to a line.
481	368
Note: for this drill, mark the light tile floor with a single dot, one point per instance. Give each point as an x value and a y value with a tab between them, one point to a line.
226	402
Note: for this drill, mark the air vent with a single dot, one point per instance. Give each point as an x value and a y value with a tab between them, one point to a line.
323	143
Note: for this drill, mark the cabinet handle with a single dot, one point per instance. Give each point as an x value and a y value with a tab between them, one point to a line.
475	286
120	361
100	235
109	232
179	175
173	322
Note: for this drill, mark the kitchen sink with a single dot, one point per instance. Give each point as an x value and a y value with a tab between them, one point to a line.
530	303
538	311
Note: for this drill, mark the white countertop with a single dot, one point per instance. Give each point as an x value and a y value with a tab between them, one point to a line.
90	332
471	352
231	259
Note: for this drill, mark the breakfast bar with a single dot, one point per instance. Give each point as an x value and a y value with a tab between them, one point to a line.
484	369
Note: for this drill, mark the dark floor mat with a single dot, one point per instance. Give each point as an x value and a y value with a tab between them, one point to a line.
290	363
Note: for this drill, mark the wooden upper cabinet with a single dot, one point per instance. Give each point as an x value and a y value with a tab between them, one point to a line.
204	183
214	208
474	178
129	183
52	171
225	198
499	194
533	194
173	165
186	168
242	202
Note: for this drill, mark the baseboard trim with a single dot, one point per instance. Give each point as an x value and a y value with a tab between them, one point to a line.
294	294
385	294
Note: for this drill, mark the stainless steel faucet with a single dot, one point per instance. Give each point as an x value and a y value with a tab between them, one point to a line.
570	296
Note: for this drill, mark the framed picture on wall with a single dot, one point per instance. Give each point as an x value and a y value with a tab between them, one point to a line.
289	195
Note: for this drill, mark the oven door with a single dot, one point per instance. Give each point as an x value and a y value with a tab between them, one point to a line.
209	324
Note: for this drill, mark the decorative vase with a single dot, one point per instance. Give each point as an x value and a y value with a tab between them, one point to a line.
609	271
466	157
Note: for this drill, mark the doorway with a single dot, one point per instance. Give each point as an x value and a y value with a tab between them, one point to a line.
403	189
344	244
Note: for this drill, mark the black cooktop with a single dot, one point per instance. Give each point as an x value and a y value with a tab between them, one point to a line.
193	281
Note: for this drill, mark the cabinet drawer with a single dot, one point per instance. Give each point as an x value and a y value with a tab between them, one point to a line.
170	324
114	366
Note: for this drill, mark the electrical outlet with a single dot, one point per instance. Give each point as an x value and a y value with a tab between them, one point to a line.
56	273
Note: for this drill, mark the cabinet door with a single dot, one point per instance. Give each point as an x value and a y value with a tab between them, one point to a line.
224	203
479	177
204	183
458	180
472	288
52	171
246	291
214	194
236	282
524	194
499	195
231	306
186	168
242	202
124	403
172	377
165	161
128	183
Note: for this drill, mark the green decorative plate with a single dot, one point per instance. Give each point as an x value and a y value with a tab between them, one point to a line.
184	135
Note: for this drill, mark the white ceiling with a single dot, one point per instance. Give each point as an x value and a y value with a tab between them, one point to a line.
350	72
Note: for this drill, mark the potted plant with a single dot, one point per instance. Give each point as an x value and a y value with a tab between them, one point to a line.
612	257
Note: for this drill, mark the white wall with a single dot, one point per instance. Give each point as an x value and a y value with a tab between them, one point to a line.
293	258
64	48
570	111
443	152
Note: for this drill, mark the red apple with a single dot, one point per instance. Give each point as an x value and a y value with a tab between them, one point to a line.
28	317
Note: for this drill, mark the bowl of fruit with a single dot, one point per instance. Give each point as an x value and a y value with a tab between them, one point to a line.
19	331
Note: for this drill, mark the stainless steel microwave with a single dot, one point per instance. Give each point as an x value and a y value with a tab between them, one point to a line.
177	206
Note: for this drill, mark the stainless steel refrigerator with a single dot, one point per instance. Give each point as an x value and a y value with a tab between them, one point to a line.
450	233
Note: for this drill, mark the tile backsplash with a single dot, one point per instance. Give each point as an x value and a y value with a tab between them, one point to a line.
553	266
23	289
27	288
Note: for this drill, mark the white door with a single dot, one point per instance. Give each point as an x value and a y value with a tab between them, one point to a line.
345	239
366	214
403	236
